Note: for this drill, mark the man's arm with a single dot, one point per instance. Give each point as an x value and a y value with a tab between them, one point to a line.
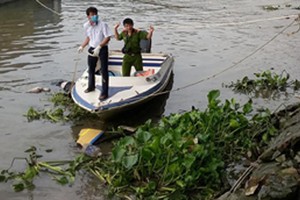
149	35
116	31
85	42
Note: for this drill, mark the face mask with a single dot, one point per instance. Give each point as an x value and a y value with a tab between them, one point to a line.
94	18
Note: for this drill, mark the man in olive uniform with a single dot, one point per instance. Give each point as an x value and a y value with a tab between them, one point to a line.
132	49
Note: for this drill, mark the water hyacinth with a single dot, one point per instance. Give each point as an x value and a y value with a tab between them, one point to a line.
181	157
184	152
266	84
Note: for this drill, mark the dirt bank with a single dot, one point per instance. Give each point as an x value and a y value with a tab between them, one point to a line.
276	174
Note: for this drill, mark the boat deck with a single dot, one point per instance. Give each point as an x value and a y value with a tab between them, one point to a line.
121	89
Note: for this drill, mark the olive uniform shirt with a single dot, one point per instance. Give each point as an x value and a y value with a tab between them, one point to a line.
132	48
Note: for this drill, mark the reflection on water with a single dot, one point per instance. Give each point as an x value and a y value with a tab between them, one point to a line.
24	27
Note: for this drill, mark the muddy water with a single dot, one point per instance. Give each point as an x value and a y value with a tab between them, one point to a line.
38	47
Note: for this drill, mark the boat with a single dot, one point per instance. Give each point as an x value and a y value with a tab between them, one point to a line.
125	92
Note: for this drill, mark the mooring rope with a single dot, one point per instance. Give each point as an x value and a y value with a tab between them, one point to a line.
216	25
195	26
51	10
77	57
232	66
241	60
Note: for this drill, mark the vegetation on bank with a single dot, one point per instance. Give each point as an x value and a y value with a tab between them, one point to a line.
266	84
183	154
64	109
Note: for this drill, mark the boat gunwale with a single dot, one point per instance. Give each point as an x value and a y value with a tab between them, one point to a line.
142	97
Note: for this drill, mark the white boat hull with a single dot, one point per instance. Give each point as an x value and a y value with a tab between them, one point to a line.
125	92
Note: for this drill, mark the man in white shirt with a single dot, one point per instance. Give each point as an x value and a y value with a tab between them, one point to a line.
97	37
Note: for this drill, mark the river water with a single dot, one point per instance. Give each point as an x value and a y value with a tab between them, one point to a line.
207	38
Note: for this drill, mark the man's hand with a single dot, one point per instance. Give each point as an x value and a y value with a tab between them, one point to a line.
80	49
97	51
117	26
151	29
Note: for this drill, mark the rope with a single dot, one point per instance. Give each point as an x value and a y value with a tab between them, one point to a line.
230	67
297	20
240	61
213	25
51	10
77	58
240	23
207	25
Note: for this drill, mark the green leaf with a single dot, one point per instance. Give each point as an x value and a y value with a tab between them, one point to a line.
143	136
166	138
155	145
233	123
147	154
174	168
213	95
152	185
188	161
32	114
129	161
18	187
117	153
180	183
2	178
127	141
29	185
62	180
30	173
265	137
31	149
247	107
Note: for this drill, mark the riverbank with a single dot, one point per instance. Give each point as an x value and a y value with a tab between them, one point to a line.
192	150
276	173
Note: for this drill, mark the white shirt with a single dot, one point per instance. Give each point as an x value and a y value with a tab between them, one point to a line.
96	33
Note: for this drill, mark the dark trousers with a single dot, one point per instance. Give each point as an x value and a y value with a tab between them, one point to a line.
92	62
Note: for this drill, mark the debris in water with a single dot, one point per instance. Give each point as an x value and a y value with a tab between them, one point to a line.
65	85
92	150
271	7
39	90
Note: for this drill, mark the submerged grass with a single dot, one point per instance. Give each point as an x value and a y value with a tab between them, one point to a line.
266	84
64	109
181	155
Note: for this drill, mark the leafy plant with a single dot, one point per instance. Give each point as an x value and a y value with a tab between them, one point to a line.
24	180
64	110
53	115
265	84
271	7
183	154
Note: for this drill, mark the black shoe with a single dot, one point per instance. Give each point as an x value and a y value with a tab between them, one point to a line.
103	97
89	90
